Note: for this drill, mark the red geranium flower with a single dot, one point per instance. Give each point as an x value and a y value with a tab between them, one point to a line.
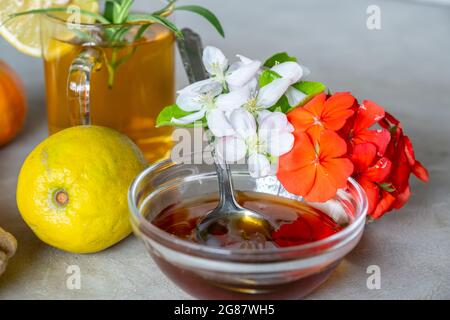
387	189
315	169
401	152
371	172
322	113
384	204
401	142
381	160
357	129
305	229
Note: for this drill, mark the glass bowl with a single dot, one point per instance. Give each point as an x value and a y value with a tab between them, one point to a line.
218	273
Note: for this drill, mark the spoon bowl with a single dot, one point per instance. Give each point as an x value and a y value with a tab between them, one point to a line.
230	218
241	222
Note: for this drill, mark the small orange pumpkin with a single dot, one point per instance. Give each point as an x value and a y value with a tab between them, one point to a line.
13	106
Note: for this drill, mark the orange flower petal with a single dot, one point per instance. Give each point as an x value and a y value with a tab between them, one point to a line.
338	122
301	119
339	101
316	105
323	188
299	181
337	109
331	145
313	168
302	154
315	132
338	170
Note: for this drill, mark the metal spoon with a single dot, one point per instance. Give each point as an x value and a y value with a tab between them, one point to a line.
228	217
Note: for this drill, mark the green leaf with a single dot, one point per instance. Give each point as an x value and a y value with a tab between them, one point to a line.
393	129
387	186
165	9
124	10
117	10
141	31
267	76
97	16
108	13
145	17
170	25
310	88
173	111
205	13
282	105
278	58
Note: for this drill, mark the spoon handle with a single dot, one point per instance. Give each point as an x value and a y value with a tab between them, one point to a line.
191	49
227	202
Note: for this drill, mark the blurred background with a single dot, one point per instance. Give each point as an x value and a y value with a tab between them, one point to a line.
404	66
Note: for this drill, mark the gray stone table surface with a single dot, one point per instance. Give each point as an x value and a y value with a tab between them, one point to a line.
405	67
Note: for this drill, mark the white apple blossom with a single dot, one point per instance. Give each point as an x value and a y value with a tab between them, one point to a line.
252	99
293	72
206	97
262	142
264	98
197	98
232	77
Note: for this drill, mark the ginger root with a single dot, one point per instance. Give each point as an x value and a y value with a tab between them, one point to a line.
8	246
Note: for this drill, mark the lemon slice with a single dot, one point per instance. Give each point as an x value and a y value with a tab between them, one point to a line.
24	32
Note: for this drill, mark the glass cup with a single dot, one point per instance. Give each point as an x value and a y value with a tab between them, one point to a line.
217	273
110	75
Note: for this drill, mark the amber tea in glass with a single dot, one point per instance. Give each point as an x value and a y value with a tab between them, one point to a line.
80	83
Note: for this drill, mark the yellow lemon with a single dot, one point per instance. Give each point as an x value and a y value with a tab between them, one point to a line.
72	188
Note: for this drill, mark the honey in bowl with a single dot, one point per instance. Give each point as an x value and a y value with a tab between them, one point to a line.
295	222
